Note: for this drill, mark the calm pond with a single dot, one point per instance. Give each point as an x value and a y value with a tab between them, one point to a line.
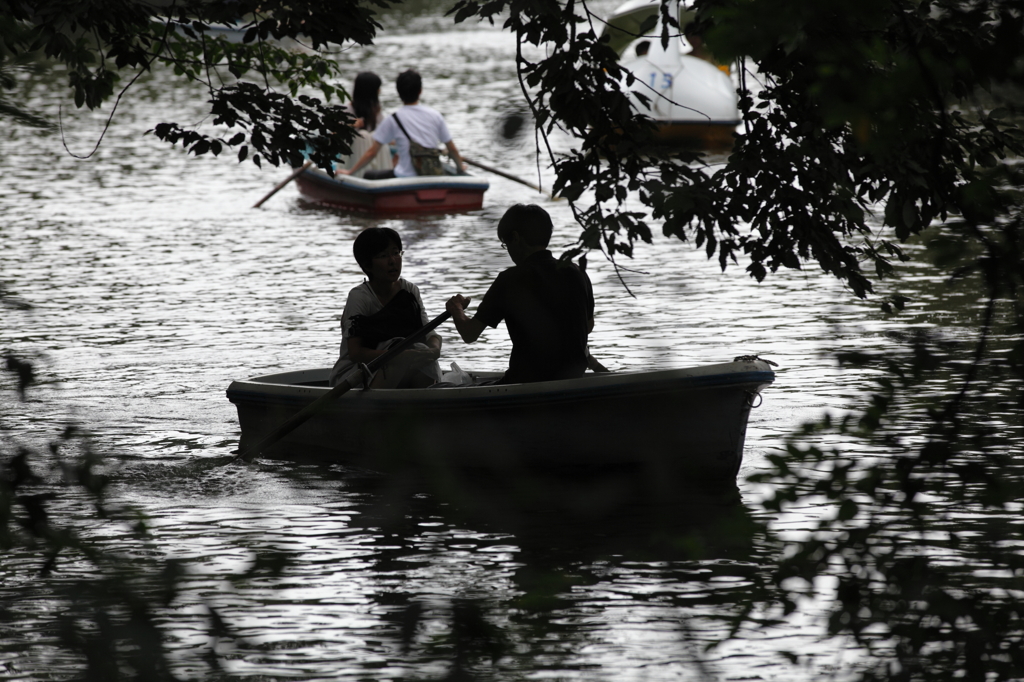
154	284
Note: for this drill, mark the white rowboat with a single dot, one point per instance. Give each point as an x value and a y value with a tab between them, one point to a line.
682	425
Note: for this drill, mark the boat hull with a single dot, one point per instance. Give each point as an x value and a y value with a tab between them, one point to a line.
677	426
712	137
441	194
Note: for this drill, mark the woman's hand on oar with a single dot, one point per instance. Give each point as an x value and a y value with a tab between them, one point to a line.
503	174
323	401
284	182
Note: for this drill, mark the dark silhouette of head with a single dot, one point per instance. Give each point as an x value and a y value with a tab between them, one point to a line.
409	85
511	125
372	241
365	98
531	222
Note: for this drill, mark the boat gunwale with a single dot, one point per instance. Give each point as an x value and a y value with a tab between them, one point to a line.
589	387
467	183
681	122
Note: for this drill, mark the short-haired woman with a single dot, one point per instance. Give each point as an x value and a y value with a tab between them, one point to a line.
383	309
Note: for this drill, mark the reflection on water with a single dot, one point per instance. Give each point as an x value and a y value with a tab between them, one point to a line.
154	284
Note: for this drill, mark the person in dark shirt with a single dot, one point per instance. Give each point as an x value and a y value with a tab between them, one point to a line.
547	304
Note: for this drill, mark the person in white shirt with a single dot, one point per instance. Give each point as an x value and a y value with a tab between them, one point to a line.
425	125
382	310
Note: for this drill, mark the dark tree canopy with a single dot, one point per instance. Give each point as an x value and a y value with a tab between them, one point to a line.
271	99
859	109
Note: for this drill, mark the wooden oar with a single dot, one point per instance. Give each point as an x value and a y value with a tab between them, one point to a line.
283	183
326	399
503	174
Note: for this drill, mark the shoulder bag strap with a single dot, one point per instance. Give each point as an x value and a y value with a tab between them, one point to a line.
404	131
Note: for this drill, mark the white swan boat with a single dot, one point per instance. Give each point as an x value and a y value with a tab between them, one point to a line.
692	99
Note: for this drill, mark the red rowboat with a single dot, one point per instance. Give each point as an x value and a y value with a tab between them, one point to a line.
420	194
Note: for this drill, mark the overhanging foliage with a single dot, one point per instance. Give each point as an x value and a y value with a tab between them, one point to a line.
270	99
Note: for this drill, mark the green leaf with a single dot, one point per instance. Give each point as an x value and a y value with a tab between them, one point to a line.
985	159
847	510
909	213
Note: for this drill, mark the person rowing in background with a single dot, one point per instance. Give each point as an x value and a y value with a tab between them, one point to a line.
425	125
547	304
